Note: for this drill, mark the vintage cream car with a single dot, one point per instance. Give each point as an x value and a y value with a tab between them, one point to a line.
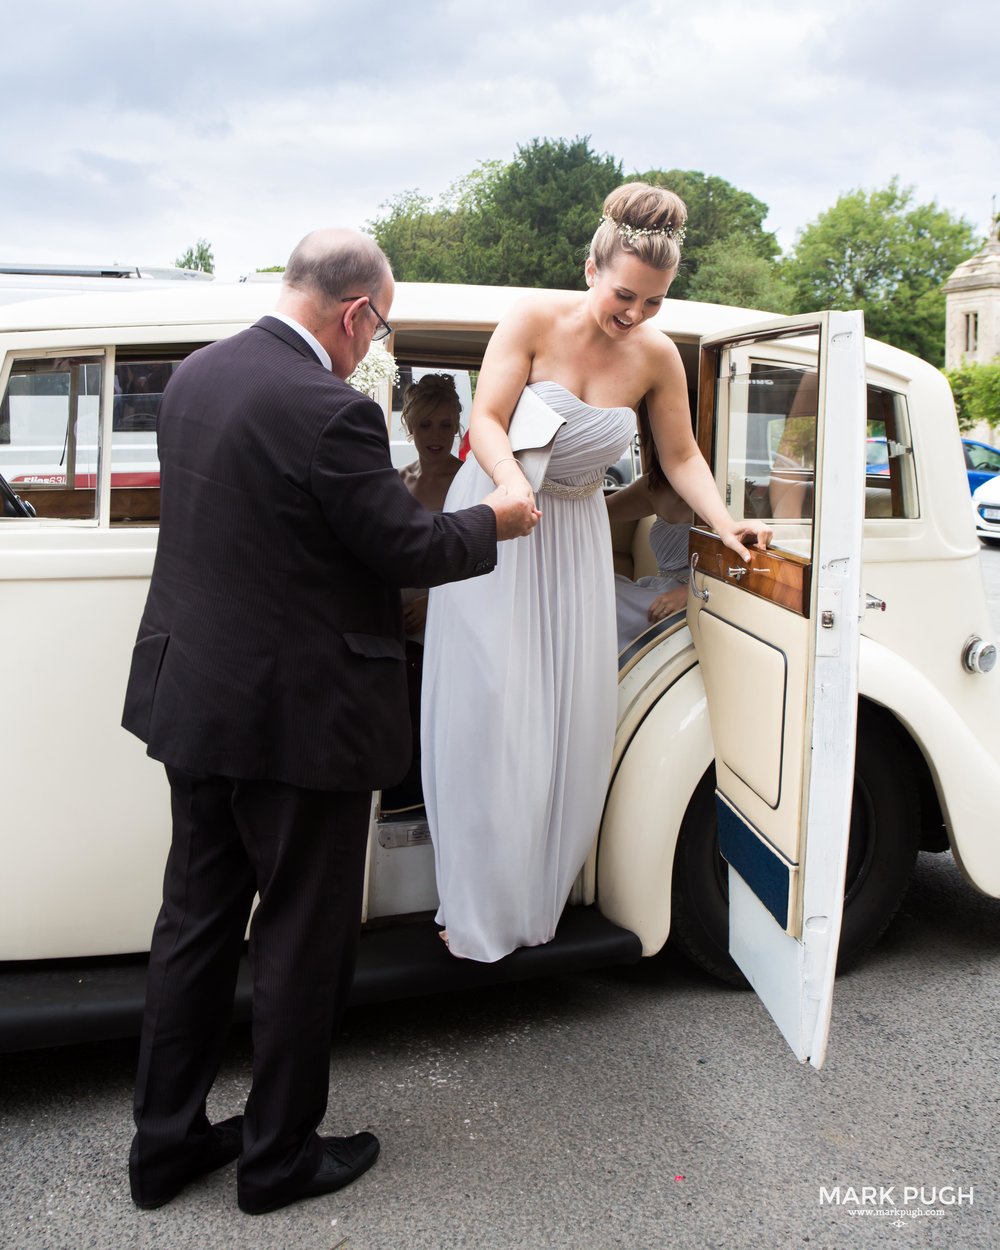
739	820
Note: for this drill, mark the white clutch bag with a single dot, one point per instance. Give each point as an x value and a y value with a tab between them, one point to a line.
532	431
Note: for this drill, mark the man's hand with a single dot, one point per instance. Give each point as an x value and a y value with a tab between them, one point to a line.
515	516
415	614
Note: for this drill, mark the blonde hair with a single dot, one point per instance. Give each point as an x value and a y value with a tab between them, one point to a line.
646	222
424	398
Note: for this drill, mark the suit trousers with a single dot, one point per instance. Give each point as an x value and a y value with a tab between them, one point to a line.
303	852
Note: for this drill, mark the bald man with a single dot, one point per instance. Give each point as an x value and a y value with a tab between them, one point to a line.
268	677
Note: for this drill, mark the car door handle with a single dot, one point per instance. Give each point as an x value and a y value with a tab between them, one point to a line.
698	594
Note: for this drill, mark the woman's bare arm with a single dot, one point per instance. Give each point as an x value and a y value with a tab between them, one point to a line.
504	375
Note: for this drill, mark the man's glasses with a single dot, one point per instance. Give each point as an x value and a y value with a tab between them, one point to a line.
383	329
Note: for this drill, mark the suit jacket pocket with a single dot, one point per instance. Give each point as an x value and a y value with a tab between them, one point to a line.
373	647
147	660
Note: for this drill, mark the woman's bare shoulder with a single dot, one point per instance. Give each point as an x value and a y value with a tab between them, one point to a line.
661	360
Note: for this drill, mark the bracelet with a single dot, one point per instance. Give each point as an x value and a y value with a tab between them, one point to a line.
497	465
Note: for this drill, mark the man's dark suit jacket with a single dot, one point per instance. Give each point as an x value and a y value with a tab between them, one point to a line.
271	646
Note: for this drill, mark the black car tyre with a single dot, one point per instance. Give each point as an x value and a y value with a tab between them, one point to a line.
885	830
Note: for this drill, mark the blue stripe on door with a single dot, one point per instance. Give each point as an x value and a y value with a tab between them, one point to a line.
762	870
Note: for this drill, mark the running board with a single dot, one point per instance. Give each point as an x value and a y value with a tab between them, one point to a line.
64	1002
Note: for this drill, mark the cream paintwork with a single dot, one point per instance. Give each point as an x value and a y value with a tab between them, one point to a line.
83	858
665	745
88	810
965	773
756	768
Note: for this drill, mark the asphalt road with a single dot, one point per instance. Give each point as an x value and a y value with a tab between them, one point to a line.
645	1107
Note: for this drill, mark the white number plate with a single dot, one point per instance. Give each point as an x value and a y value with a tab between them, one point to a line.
991	514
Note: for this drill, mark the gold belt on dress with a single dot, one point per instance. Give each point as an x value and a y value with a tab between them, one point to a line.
564	490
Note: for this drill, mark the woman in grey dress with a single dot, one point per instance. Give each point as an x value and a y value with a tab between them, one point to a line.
520	680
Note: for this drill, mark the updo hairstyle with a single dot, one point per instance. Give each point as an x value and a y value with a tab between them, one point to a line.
646	222
427	397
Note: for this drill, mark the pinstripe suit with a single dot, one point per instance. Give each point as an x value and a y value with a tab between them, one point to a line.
269	677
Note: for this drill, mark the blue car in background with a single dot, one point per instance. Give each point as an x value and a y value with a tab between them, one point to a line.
981	460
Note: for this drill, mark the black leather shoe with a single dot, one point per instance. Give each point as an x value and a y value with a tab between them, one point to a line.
222	1146
344	1160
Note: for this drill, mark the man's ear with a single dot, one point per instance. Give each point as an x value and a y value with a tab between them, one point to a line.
351	312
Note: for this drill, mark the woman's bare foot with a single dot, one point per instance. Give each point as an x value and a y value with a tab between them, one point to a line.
443	935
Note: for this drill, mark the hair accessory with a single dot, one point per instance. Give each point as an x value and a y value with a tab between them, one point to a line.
631	233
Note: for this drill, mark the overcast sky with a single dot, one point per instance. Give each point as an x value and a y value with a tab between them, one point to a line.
131	130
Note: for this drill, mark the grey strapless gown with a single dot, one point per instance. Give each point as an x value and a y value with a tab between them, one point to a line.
669	541
519	701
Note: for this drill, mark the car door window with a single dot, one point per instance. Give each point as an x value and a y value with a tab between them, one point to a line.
140	377
890	477
400	444
772	446
50	443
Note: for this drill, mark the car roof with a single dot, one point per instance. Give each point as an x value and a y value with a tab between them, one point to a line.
222	302
417	304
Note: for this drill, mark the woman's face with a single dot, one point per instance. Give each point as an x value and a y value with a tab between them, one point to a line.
434	433
626	293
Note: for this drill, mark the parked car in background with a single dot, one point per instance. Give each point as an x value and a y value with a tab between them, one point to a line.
625	470
986	510
982	461
728	805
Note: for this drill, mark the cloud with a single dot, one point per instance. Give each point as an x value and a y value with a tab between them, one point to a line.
140	130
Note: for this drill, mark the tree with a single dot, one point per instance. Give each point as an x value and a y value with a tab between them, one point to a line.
976	388
879	252
732	271
525	223
270	269
423	243
198	257
531	221
717	212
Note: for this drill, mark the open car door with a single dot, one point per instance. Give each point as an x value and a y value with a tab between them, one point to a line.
781	416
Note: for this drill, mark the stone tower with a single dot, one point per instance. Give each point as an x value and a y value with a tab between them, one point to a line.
972	300
972	316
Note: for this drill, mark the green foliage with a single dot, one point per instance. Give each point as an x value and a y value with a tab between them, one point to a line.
270	269
198	257
976	389
879	252
535	217
717	211
526	223
732	271
423	243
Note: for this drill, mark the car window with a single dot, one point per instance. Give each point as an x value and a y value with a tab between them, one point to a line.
140	377
890	484
50	432
400	445
984	459
50	445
